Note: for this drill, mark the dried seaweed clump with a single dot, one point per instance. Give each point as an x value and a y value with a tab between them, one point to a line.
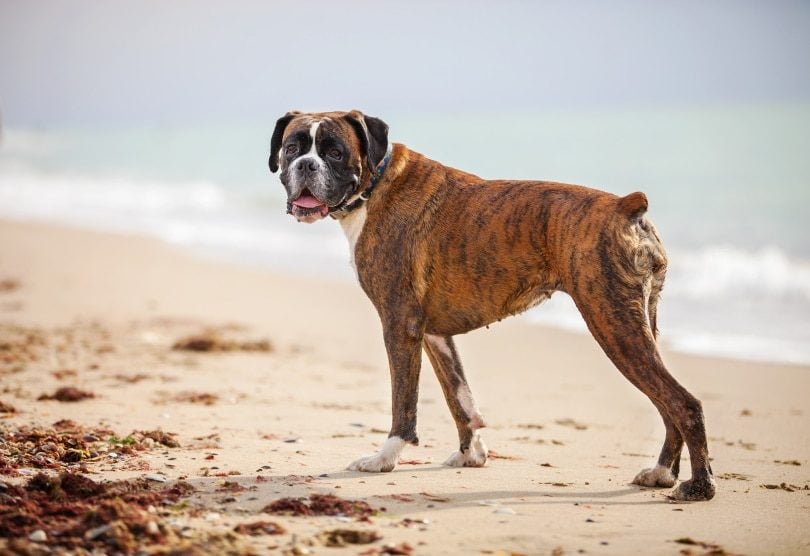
68	394
74	512
256	528
321	504
202	398
211	341
68	444
164	438
345	537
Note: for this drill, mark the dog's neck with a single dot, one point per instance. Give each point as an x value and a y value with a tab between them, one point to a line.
358	199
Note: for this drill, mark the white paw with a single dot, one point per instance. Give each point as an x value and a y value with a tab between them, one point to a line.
475	456
383	461
658	476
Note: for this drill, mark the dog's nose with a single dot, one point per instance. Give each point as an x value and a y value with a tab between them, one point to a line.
307	166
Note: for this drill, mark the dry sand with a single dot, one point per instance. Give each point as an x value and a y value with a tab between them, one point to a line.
569	432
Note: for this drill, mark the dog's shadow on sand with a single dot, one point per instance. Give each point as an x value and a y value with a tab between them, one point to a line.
409	499
559	495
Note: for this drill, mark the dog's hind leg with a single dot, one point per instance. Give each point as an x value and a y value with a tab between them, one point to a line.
441	351
665	473
614	304
632	349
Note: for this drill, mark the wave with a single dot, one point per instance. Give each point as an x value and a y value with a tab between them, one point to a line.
57	195
237	223
726	271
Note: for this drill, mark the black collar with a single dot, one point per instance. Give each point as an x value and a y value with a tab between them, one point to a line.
376	176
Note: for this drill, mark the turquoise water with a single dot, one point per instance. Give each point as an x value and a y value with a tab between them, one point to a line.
729	189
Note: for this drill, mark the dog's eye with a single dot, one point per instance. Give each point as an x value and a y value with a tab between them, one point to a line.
291	149
335	153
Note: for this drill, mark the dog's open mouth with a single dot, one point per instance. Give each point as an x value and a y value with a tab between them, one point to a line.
306	208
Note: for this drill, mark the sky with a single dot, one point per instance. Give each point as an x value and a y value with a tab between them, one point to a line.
102	63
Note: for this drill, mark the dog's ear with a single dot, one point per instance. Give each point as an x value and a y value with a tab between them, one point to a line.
373	134
278	134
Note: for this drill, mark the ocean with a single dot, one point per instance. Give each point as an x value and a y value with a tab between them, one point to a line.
729	191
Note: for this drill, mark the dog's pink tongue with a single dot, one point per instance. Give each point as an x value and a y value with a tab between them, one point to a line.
307	201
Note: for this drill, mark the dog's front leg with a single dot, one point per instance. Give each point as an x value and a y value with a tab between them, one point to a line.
472	452
403	340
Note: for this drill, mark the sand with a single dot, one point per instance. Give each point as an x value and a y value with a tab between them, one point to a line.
566	430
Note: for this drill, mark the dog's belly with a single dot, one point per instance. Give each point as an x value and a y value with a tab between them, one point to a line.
459	306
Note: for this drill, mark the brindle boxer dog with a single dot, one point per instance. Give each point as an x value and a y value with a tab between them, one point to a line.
441	252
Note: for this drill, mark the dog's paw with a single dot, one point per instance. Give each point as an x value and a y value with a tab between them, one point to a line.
376	463
694	491
383	461
474	456
658	476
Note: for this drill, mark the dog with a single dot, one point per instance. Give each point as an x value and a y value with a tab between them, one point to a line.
441	252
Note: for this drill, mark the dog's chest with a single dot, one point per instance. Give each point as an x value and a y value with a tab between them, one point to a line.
352	225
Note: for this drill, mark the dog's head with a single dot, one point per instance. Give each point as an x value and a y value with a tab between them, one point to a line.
325	158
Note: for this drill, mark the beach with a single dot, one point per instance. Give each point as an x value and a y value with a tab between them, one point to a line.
271	383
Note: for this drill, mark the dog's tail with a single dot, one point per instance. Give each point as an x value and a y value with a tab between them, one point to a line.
633	206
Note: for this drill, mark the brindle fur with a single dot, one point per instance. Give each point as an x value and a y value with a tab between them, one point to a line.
443	252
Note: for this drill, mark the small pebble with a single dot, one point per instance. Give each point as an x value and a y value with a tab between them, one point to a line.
507	511
96	532
155	477
38	536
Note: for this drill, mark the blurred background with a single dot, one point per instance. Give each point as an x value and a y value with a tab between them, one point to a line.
155	118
